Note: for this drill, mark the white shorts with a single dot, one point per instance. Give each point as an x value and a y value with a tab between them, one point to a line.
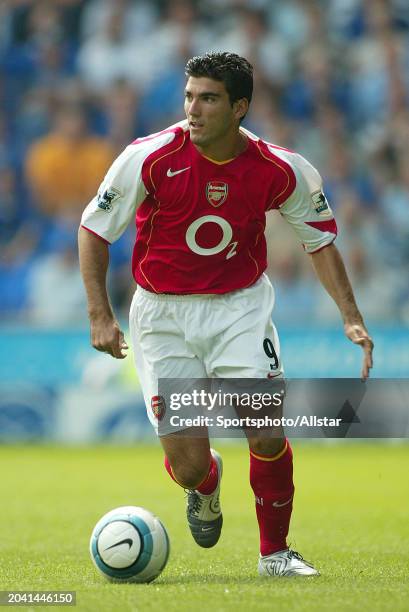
203	336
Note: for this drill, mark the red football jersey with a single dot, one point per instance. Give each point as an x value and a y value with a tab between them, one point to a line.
200	223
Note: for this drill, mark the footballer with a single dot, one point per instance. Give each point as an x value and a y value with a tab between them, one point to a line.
200	191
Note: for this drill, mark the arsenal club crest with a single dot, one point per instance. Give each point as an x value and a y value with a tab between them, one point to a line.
216	192
158	407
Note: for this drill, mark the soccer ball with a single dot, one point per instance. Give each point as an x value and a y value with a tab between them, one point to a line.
129	544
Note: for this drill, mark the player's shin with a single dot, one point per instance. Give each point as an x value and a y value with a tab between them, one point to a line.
271	478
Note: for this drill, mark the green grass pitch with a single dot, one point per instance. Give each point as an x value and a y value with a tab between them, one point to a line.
350	519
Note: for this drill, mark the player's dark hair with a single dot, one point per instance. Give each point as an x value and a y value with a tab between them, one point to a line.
234	71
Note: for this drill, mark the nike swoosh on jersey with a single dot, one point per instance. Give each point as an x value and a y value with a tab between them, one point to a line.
278	504
175	172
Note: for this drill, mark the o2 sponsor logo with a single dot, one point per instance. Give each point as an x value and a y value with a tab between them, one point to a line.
225	241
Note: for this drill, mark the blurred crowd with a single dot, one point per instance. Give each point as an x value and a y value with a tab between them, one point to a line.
80	79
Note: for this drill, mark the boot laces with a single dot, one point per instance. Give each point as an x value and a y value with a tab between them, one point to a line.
194	502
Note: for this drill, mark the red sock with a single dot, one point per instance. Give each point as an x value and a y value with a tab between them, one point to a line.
208	484
271	478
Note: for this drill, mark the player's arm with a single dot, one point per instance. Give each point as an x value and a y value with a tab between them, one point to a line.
104	220
106	335
308	212
330	269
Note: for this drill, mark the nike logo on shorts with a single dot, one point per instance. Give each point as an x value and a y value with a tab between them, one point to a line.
175	172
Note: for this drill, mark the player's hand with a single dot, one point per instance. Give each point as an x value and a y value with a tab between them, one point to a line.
107	337
358	334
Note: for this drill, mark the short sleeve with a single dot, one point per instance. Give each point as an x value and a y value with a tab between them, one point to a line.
119	195
307	209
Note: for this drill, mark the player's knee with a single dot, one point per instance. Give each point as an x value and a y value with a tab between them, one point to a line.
190	475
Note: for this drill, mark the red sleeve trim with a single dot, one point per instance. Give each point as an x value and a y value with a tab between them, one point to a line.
95	234
324	226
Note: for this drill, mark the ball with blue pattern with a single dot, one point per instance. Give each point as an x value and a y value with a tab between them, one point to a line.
129	544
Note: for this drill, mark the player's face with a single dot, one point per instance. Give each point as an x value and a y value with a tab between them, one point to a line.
209	112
